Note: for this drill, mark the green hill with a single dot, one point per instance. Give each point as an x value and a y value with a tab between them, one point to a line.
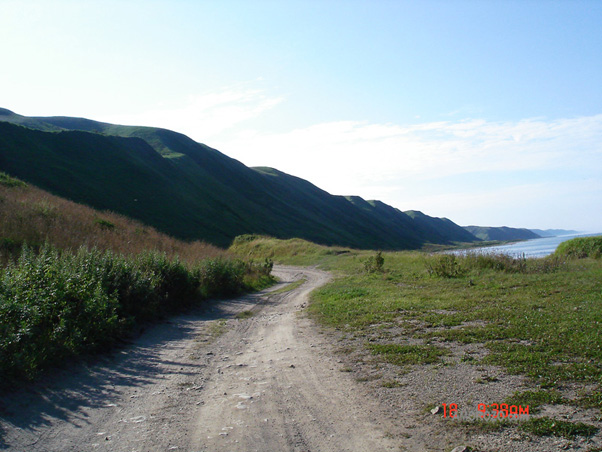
192	191
503	233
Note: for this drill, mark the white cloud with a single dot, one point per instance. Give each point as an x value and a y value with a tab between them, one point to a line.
381	152
206	115
400	163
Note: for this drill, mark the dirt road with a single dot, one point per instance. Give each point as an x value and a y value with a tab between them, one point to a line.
251	374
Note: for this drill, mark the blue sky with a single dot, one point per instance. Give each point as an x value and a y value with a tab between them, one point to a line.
485	112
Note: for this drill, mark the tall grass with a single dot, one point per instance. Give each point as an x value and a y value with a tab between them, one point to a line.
33	216
454	266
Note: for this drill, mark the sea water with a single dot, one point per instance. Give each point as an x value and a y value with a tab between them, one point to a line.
529	248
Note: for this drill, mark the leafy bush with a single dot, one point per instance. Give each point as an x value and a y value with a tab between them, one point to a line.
55	304
49	312
220	277
500	262
374	264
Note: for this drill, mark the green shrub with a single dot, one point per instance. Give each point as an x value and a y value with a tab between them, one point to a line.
499	262
374	264
49	312
55	304
9	245
221	277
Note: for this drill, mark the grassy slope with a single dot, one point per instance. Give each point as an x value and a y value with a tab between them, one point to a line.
539	317
33	216
215	197
122	174
445	230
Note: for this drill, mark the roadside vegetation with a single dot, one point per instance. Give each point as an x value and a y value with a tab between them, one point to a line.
75	281
34	216
539	318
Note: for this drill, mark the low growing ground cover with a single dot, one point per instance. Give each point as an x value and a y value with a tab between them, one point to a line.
543	324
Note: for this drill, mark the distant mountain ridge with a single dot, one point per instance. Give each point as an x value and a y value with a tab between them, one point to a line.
553	232
502	233
192	191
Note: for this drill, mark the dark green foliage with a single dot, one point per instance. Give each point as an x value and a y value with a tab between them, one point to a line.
581	247
10	246
268	265
51	307
546	426
222	277
55	304
499	262
374	264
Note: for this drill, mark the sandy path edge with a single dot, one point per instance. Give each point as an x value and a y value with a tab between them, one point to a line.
269	382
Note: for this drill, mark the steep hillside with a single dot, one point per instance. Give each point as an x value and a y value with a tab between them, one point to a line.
443	229
501	233
192	191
